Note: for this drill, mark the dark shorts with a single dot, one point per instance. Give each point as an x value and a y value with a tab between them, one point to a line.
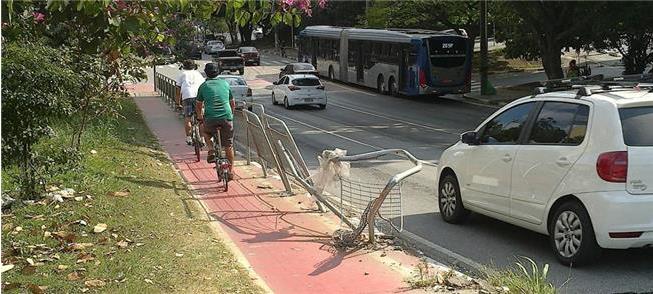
226	130
189	106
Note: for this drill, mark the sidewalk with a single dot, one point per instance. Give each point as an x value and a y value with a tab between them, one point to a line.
284	240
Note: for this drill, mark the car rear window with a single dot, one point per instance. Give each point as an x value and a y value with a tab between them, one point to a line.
228	53
637	123
306	82
303	67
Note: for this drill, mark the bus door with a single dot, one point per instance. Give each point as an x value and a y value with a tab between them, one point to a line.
403	68
360	70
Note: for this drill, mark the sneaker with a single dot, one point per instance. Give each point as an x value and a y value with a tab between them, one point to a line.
210	158
189	140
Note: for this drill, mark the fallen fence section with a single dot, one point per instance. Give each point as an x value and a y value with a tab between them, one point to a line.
268	139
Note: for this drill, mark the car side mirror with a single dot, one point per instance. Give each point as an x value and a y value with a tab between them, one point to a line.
275	83
470	138
281	69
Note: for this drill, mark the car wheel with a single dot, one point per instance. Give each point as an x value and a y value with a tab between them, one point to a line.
331	75
450	202
380	84
322	106
285	103
241	71
571	235
392	87
274	99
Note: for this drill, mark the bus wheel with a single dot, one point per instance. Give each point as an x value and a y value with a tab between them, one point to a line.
380	84
392	87
331	75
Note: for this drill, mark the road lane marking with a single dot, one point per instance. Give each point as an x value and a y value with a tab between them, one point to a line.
346	138
350	88
395	119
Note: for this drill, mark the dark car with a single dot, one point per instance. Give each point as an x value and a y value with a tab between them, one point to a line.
250	55
229	60
298	68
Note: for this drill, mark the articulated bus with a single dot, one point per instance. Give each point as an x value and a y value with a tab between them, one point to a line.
393	61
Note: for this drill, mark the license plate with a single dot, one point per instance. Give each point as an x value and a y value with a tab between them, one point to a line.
308	100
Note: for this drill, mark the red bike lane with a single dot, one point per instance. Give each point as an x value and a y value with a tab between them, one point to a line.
285	241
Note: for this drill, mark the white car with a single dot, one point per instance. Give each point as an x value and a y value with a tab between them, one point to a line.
292	90
213	46
576	165
239	88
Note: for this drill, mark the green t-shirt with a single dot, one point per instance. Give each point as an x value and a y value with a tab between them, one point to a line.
216	93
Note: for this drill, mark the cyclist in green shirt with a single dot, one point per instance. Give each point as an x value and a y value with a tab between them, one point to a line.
215	104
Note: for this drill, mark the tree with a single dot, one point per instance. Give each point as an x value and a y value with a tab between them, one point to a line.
250	13
427	14
624	28
543	28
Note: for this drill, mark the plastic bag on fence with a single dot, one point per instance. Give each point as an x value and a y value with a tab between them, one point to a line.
330	171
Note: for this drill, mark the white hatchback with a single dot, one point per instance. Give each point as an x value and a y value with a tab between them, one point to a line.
299	89
576	165
239	88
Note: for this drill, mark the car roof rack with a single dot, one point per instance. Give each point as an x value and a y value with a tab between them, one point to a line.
588	85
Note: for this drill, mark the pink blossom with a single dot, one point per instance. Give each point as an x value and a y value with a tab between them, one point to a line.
38	17
321	3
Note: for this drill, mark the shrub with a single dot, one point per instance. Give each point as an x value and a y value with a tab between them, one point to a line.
38	86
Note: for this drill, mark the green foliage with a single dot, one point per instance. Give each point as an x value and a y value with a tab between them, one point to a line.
526	278
623	28
426	14
39	85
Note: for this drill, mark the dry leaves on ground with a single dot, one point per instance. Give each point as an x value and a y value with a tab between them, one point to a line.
123	193
99	228
74	276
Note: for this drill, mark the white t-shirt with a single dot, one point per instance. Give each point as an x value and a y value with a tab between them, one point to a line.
189	81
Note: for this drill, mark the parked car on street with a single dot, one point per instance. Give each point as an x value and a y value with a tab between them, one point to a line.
239	88
229	60
298	68
576	165
299	89
213	46
250	55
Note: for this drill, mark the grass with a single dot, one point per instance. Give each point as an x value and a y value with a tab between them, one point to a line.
427	277
497	63
526	278
157	240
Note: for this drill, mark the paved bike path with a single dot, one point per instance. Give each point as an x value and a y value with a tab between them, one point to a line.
283	239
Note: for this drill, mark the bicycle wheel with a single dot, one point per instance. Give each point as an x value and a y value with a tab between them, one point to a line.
197	150
225	181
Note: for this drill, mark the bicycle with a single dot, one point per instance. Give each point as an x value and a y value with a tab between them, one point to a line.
222	164
196	136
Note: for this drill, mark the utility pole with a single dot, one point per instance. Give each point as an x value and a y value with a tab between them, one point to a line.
484	56
276	30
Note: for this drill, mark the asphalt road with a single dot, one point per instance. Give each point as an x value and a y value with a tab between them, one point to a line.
359	120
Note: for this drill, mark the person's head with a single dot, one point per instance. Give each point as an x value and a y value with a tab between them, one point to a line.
211	70
572	63
189	65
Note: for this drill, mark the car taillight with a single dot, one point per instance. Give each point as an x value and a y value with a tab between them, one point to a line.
422	78
613	166
320	87
293	88
249	92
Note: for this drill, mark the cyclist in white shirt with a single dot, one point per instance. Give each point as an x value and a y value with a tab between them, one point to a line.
188	83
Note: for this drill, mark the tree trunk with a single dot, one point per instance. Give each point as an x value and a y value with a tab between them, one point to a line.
635	59
246	34
551	61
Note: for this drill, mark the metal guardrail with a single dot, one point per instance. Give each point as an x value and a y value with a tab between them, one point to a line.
275	147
